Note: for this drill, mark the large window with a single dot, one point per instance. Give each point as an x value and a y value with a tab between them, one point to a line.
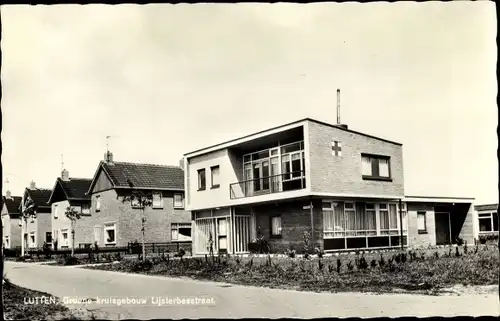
180	231
375	167
110	234
353	219
201	180
86	209
488	222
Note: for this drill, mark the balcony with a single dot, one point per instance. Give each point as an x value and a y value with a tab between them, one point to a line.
268	185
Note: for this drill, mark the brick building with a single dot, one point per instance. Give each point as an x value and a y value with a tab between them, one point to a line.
115	222
11	221
69	193
37	229
344	187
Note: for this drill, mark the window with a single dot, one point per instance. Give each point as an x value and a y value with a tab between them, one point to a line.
276	226
110	233
97	203
135	203
350	216
56	211
488	222
86	209
157	200
421	222
180	231
64	238
178	201
375	167
32	239
78	209
48	237
201	180
333	219
215	176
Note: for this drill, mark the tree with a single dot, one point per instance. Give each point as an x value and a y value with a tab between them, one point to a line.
141	200
28	212
72	214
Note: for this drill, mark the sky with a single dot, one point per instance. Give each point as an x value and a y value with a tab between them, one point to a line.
163	80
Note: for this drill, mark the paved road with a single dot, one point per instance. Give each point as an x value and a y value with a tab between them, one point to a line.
231	301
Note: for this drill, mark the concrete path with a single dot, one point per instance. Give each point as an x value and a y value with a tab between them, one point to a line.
229	301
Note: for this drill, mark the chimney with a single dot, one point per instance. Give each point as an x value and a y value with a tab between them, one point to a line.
108	157
181	163
338	111
8	194
32	185
65	175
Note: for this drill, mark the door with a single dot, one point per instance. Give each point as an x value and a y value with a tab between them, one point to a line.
222	234
443	228
261	176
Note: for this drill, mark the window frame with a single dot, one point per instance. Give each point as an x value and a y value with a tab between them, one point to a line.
51	239
375	165
202	187
153	206
65	243
109	226
212	168
32	243
182	201
98	203
56	211
422	231
87	208
271	231
487	216
175	226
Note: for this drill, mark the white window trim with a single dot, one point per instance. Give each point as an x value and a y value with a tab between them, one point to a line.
65	243
106	228
32	244
56	211
484	217
425	230
161	200
182	201
280	231
175	226
377	218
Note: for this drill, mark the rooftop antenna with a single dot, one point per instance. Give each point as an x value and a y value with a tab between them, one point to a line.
338	106
107	143
62	162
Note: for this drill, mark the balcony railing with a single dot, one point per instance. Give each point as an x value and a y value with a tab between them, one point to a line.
268	185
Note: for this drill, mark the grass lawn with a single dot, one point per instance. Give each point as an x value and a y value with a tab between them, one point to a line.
427	271
16	309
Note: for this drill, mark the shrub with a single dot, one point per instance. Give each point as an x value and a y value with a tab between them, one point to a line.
457	252
181	253
290	253
459	241
373	263
381	262
140	266
350	266
70	260
306	237
319	252
363	265
339	265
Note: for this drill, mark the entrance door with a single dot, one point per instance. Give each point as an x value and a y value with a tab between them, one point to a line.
222	235
443	228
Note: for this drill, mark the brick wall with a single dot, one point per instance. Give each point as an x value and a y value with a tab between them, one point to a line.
15	233
342	174
295	220
464	223
415	239
128	219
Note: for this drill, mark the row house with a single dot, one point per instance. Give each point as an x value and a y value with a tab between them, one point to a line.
344	187
116	222
11	221
37	229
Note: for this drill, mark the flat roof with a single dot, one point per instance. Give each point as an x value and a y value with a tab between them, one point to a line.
291	124
438	199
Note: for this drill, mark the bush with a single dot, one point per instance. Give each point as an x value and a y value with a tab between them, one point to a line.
140	266
70	260
290	253
181	253
319	252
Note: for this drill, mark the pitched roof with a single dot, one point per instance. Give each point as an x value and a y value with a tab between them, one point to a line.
74	189
40	196
142	176
12	204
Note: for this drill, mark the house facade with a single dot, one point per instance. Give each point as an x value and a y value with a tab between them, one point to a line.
69	193
11	221
115	221
345	188
487	219
37	230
